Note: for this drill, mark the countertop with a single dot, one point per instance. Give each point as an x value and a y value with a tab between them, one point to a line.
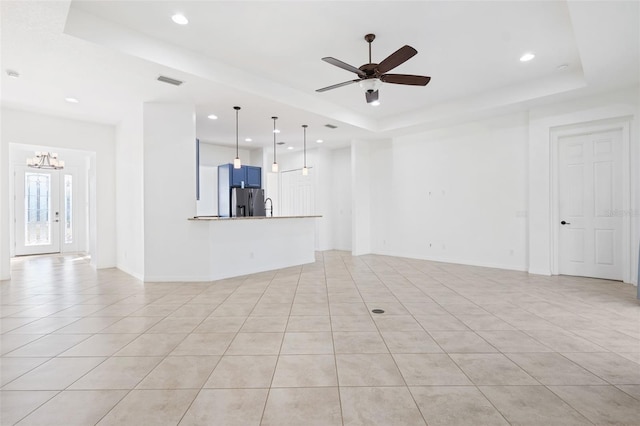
209	218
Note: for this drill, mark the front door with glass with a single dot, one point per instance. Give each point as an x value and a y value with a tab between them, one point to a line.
43	211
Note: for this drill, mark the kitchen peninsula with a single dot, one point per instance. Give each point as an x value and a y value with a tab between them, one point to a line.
247	245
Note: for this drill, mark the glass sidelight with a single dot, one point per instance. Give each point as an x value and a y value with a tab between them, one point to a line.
68	209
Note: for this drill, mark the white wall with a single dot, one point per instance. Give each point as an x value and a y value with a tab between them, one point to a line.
479	193
214	155
339	203
130	194
28	128
362	188
5	267
175	249
324	197
455	195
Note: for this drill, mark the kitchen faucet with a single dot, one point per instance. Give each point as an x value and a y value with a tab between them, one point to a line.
270	207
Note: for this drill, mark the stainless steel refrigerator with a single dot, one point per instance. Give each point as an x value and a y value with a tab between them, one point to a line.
247	202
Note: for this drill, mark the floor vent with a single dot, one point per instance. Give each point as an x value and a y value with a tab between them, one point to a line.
331	126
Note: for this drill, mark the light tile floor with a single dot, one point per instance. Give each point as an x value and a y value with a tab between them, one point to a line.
457	345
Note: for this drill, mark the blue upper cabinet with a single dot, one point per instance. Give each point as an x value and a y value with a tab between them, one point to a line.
254	177
237	176
250	175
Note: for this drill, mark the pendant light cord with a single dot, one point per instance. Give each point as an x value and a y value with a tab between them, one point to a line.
237	108
304	127
274	138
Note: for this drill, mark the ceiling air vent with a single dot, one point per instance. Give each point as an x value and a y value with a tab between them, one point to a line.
280	143
170	80
331	126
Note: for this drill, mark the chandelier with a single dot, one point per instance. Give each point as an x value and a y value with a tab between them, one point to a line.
45	160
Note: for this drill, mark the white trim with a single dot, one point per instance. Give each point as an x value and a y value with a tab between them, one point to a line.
623	124
522	268
174	278
129	272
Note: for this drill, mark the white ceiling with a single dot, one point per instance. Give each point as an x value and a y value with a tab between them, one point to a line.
265	57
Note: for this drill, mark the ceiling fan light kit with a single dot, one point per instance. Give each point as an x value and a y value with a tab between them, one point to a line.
372	75
370	85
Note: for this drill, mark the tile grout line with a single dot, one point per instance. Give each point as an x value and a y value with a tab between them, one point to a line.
333	343
406	386
275	368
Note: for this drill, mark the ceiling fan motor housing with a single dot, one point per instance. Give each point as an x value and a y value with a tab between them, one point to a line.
369	69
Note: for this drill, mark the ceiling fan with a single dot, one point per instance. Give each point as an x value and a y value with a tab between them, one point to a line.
371	76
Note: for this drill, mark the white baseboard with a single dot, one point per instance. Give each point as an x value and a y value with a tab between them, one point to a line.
454	261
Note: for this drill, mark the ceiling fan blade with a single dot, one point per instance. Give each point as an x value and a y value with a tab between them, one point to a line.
396	58
412	80
371	96
335	86
338	63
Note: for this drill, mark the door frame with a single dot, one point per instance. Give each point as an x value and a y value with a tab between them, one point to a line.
76	211
622	124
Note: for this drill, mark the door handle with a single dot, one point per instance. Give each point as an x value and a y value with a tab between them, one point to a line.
565	223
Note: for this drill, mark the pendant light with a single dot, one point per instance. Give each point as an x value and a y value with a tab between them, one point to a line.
305	171
274	166
236	162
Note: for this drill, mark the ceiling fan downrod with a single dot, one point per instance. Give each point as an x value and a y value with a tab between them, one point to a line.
369	38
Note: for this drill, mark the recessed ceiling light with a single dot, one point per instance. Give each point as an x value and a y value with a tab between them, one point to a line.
319	141
13	74
289	147
180	19
527	57
212	117
562	67
248	140
71	100
276	131
375	103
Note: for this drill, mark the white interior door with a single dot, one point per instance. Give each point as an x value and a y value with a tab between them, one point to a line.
297	194
590	205
45	211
